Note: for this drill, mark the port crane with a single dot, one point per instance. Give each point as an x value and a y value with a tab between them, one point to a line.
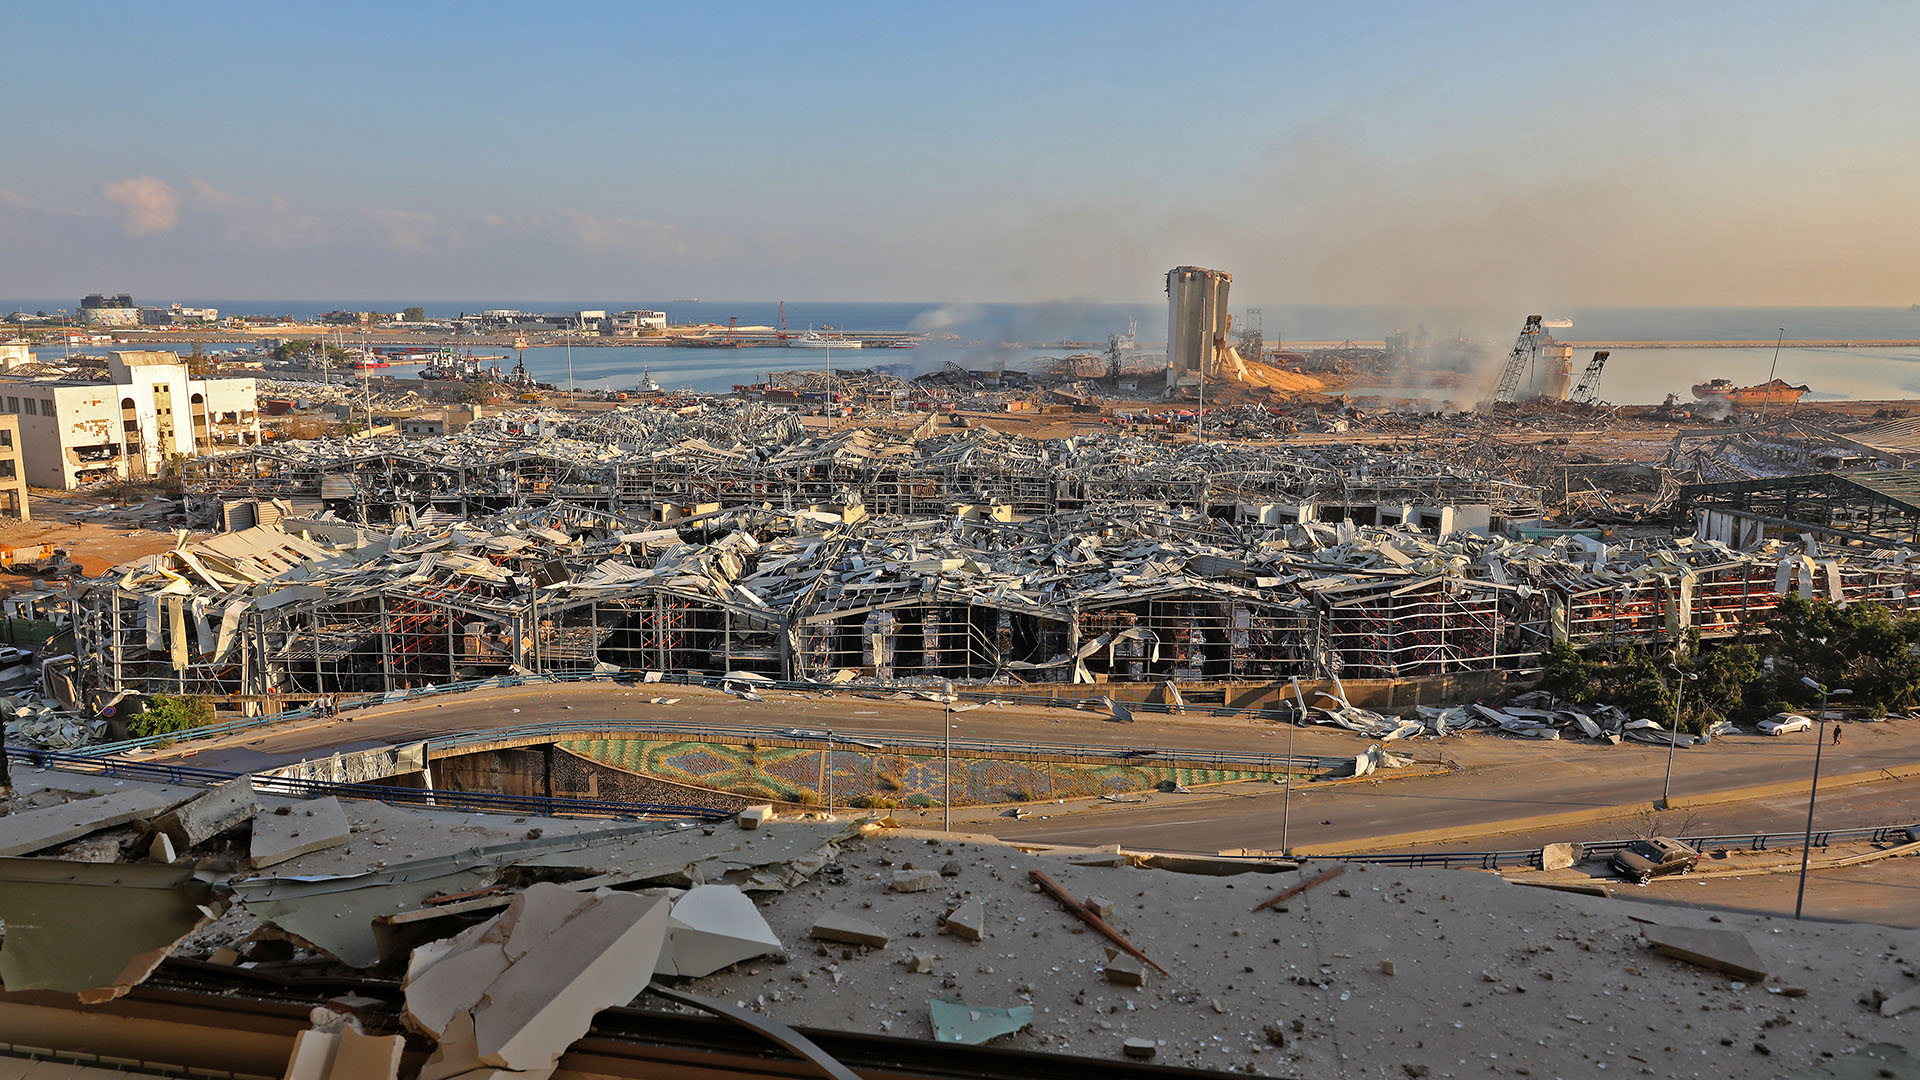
1590	379
1526	351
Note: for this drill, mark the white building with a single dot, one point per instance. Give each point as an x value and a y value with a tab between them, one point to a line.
150	409
635	322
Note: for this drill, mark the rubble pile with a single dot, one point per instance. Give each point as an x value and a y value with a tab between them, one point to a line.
496	947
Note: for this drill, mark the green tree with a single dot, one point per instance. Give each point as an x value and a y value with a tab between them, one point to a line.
416	314
170	714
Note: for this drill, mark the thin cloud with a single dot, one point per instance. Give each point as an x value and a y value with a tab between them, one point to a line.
148	205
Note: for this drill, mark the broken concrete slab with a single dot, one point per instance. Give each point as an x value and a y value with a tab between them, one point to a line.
915	880
207	815
1139	1049
1900	1002
1125	970
970	1025
1559	856
712	927
968	921
1726	951
755	816
96	929
161	850
833	926
564	962
919	963
51	826
307	827
335	914
344	1055
1100	906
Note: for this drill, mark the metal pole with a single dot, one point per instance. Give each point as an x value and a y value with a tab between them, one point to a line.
1673	737
946	728
1286	795
1766	398
829	761
1813	792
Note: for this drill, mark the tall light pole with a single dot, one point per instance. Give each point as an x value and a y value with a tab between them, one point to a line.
946	728
1286	796
1820	738
1682	678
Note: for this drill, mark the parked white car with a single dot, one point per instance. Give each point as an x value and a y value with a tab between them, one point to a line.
1785	723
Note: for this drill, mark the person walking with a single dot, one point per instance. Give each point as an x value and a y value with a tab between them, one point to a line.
1836	734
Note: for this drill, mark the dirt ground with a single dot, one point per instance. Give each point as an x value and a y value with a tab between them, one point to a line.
97	543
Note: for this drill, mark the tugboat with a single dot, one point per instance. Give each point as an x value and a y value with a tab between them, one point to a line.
1777	392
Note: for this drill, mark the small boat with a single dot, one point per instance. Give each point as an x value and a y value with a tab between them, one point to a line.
814	339
1777	392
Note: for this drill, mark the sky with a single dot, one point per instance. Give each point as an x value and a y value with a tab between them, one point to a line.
1511	154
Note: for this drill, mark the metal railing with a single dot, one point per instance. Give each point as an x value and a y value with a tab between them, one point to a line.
346	702
888	740
1493	860
427	798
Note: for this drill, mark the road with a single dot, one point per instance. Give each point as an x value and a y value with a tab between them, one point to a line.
1496	783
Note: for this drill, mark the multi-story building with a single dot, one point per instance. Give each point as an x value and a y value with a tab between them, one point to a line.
102	310
148	411
13	478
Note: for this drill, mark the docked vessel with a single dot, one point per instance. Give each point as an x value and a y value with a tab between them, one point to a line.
814	339
1777	392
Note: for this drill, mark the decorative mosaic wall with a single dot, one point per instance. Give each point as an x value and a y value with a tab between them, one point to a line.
873	778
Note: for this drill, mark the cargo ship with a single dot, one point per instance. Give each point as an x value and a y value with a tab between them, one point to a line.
1777	392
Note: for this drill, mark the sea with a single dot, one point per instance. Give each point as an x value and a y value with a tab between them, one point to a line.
988	335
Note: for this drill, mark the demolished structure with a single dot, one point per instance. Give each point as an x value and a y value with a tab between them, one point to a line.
1124	593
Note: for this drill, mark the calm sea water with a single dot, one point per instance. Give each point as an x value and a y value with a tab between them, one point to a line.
974	335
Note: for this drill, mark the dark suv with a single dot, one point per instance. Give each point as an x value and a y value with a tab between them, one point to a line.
1644	860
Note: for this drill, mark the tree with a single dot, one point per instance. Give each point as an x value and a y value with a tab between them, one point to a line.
415	314
169	714
199	364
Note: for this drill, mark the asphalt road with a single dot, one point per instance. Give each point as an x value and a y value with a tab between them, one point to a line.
1495	779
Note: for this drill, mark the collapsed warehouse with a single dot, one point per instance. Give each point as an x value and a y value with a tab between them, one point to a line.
1127	594
658	463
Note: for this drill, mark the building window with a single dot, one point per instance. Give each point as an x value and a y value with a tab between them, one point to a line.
13	404
6	470
46	406
30	408
6	437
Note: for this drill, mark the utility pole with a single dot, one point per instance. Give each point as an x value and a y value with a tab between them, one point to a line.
1813	792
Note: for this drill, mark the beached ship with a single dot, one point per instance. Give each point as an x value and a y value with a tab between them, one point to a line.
1777	392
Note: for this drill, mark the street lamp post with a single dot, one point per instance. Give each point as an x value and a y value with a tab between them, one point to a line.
1673	736
946	730
1286	797
1813	792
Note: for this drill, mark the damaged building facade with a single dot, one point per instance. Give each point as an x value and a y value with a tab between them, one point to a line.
129	421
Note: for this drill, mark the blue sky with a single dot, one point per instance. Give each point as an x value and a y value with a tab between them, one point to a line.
1523	154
